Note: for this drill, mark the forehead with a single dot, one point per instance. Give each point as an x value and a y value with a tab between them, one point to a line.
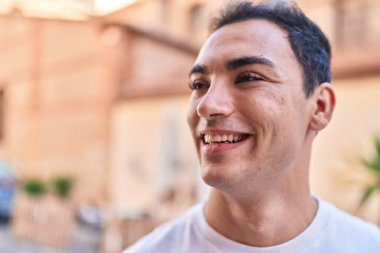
252	37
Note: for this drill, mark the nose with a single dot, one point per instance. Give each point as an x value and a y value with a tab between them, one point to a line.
216	102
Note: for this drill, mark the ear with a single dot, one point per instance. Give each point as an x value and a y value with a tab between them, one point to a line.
323	99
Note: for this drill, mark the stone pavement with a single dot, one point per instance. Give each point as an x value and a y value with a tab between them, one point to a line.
86	240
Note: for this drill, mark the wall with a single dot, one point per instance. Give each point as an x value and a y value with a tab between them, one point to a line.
57	94
336	172
154	167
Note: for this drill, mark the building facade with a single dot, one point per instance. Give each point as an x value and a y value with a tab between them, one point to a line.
105	101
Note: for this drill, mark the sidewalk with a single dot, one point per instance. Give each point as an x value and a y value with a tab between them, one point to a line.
86	240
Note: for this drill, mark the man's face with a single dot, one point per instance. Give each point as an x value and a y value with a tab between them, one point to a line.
248	112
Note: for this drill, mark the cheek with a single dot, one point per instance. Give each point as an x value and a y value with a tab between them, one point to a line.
259	110
268	113
192	115
192	120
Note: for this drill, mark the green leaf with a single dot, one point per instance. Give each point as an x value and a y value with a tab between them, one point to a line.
368	191
34	187
62	186
377	145
373	165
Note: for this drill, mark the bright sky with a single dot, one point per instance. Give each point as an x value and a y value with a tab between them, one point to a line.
106	6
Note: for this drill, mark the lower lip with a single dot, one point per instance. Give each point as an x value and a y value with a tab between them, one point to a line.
222	147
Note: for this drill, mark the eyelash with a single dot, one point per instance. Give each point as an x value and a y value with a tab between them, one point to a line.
244	77
197	85
248	77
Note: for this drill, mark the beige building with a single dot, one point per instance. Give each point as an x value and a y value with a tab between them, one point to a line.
57	97
336	172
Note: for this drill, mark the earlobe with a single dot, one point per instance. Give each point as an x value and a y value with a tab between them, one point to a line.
323	108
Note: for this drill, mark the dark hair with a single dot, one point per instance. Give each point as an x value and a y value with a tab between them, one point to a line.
309	44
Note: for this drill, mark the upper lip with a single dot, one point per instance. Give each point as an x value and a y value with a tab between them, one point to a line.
219	131
205	135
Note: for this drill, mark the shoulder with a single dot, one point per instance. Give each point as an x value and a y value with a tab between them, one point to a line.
349	222
352	230
168	236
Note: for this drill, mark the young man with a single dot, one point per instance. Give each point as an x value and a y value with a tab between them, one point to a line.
260	94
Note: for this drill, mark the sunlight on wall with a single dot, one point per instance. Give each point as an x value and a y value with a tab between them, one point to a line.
106	6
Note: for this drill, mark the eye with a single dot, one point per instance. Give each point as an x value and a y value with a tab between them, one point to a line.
248	77
197	85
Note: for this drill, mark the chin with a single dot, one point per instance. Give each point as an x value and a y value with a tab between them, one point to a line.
217	177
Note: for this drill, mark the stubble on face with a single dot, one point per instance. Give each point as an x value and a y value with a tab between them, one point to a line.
267	107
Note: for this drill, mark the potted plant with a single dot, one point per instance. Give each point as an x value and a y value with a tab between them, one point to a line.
372	166
34	187
29	209
62	186
41	216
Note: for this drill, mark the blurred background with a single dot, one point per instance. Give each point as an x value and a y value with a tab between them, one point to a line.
94	146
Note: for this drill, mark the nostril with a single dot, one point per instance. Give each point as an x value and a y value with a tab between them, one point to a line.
214	103
214	115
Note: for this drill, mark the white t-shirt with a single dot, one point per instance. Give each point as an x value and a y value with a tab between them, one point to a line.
331	231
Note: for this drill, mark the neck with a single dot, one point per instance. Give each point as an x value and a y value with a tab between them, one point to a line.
263	220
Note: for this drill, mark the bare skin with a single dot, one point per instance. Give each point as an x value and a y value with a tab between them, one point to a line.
248	86
264	222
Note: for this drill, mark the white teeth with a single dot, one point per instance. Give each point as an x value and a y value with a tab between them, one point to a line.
216	138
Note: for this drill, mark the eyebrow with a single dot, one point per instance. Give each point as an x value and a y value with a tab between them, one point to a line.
235	64
248	60
201	69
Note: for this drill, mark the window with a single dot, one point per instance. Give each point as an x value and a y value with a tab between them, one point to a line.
196	18
351	23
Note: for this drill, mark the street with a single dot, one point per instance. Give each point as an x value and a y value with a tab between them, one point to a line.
86	240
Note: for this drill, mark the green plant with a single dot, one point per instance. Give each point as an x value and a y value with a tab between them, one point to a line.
34	187
62	186
373	166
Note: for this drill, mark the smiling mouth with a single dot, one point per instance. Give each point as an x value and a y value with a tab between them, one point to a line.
223	138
